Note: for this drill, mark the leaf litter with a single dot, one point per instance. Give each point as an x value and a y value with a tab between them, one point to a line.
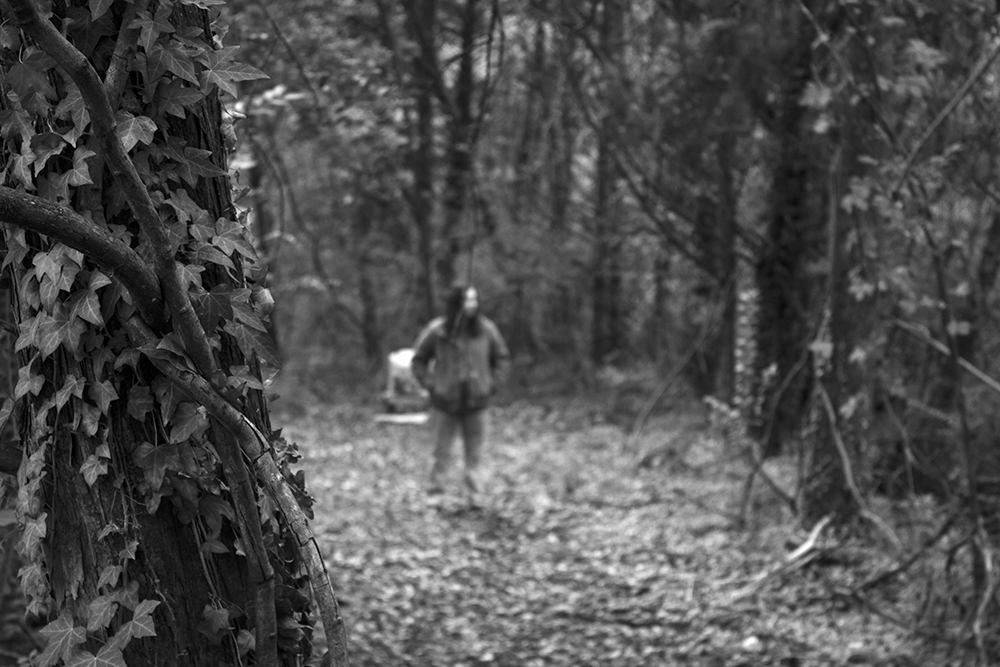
583	553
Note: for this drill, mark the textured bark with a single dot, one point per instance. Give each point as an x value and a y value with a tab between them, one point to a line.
608	323
461	148
793	238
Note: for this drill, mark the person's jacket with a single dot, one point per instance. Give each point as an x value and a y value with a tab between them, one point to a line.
467	368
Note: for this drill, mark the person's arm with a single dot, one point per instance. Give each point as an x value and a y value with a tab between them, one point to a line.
423	352
499	357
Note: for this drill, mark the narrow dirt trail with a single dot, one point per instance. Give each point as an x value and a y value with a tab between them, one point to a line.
580	557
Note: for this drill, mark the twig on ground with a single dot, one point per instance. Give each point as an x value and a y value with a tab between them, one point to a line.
800	557
729	516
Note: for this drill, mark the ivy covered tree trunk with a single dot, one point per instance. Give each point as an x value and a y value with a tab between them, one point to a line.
146	538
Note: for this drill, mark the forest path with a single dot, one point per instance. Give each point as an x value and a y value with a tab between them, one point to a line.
580	556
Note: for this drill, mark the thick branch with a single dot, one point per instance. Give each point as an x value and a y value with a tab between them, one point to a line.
102	118
110	254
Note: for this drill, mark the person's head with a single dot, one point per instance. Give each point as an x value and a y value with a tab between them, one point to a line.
462	307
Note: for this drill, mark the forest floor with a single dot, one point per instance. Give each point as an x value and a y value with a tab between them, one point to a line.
596	548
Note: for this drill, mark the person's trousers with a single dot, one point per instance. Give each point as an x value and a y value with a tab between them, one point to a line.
472	427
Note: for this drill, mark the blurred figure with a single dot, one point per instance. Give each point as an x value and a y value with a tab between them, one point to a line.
470	361
402	392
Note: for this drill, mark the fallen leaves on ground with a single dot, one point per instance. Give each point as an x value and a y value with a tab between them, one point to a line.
579	556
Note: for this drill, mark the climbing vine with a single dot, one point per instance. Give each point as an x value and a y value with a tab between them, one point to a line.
142	338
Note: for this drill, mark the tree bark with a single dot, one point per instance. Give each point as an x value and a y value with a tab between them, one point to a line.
607	328
792	239
461	148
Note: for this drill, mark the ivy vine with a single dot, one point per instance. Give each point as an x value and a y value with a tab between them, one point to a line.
89	93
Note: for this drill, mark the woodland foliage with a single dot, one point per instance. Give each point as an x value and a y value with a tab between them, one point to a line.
792	207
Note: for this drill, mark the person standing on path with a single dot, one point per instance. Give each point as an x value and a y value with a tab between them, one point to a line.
471	360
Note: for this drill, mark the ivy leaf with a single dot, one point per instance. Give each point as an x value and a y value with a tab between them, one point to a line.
87	307
93	468
142	624
103	394
109	576
110	655
132	130
33	581
216	623
34	531
57	330
140	402
145	608
214	307
5	411
30	76
72	107
80	174
252	341
204	4
151	27
173	59
45	145
231	236
187	421
97	280
221	70
213	508
155	461
16	123
206	253
100	612
27	383
175	97
125	597
241	376
98	8
62	637
73	386
90	417
10	37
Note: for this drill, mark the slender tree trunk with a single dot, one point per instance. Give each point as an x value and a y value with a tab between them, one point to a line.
792	237
836	475
459	178
725	380
421	19
263	226
607	333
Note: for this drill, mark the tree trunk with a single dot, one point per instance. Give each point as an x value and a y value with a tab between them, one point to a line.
142	535
792	237
835	477
607	334
421	19
725	380
461	147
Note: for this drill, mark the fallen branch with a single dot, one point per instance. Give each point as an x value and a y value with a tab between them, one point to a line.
800	557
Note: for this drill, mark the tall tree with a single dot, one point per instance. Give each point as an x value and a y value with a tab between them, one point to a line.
141	345
608	324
